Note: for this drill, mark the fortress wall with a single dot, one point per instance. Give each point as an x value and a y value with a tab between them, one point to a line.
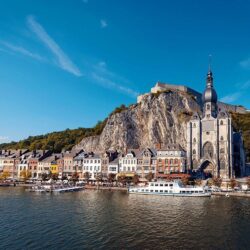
159	87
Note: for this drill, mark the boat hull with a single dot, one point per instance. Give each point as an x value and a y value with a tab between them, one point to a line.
173	194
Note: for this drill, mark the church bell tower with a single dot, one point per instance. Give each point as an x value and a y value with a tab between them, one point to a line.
209	98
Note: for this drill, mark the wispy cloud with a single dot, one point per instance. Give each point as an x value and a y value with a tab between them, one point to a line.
63	60
231	97
245	63
103	23
22	51
242	87
107	79
4	139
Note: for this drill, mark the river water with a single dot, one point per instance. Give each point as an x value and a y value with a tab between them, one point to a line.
111	220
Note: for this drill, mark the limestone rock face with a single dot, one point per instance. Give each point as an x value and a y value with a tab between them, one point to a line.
159	118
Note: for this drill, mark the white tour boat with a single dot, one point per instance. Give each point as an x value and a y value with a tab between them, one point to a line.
170	188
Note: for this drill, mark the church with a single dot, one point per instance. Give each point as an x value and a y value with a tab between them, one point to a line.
213	148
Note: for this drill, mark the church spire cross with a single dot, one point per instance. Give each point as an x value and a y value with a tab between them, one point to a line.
209	74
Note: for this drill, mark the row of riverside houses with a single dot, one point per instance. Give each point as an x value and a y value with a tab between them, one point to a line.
159	161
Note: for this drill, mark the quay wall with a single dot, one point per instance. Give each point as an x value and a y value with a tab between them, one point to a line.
233	194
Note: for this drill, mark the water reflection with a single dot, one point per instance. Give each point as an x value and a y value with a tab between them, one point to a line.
103	219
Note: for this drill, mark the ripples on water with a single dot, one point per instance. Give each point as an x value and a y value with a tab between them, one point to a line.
103	219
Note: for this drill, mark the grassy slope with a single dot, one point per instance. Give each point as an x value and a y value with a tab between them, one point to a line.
241	122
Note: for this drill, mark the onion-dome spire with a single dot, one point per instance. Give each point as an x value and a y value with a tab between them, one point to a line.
209	95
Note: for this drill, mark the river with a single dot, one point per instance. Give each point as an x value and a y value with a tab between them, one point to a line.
111	220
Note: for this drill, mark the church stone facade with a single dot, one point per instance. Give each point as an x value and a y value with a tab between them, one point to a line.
211	142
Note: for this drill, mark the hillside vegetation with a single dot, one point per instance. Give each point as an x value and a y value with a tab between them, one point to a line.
241	122
56	141
62	140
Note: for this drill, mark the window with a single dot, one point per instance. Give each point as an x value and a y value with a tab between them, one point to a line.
156	185
222	150
161	191
221	122
208	106
166	191
208	150
194	125
222	138
161	185
194	152
194	140
222	164
166	185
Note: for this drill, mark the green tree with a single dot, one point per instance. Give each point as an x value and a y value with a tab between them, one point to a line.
25	174
150	176
86	176
136	179
44	176
54	177
111	177
232	183
217	181
75	177
185	180
4	175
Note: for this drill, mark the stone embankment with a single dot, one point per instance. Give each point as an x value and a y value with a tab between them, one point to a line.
105	188
233	194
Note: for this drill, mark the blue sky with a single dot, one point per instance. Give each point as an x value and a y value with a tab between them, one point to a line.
69	63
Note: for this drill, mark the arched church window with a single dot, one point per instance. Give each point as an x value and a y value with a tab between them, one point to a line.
208	150
222	138
194	152
221	122
222	150
194	140
208	106
195	163
222	164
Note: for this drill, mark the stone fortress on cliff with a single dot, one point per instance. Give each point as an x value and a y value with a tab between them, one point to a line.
162	87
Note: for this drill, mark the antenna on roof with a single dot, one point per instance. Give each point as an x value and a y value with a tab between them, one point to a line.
209	62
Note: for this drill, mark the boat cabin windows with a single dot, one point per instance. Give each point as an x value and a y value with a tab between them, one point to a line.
152	184
151	190
166	185
156	185
156	191
166	191
161	185
161	191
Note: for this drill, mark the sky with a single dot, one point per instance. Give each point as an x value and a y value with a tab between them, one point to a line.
69	63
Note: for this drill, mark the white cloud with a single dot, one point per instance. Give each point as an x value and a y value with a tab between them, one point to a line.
22	51
245	85
4	139
245	63
107	79
103	23
231	97
63	60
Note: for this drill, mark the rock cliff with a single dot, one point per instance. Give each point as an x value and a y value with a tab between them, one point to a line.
158	118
